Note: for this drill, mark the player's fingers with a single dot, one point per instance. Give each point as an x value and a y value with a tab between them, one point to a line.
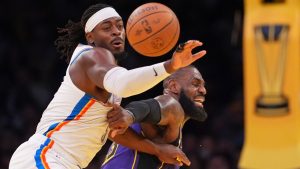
174	162
199	55
179	160
116	132
114	118
191	44
122	130
117	124
116	106
181	157
113	125
114	111
111	114
113	133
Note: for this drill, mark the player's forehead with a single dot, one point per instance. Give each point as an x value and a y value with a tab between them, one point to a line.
192	71
193	74
101	16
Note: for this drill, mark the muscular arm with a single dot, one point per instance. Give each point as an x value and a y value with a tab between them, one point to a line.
103	72
87	74
171	110
132	140
165	152
172	116
135	141
164	111
97	63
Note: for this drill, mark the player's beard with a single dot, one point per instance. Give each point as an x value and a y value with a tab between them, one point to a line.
120	56
190	109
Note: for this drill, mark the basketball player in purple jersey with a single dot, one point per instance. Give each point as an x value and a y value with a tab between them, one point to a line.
161	120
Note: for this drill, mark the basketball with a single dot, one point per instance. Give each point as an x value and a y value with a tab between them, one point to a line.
152	29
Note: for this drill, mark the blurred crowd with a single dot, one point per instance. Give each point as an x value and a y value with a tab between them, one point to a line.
31	72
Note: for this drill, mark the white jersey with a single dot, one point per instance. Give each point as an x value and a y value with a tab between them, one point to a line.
74	122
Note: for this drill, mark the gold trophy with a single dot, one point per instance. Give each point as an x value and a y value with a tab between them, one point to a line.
271	51
271	57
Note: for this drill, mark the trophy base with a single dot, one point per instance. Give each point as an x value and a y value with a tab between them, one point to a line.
272	106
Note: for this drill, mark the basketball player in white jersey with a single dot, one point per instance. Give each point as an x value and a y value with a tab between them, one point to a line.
74	126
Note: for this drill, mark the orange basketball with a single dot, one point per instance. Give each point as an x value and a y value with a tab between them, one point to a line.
152	29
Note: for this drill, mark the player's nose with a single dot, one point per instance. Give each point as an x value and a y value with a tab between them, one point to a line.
202	90
116	31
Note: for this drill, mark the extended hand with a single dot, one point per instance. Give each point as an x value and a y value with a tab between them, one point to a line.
118	120
173	155
183	56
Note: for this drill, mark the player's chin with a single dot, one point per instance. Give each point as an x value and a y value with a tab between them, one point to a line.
118	50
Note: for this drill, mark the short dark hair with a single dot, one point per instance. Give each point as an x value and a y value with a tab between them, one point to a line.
73	33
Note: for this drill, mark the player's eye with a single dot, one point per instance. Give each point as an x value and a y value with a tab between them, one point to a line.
196	84
106	27
120	26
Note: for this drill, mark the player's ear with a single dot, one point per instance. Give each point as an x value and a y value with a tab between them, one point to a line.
174	86
90	38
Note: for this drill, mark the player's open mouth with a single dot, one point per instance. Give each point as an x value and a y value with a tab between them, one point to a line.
199	101
118	43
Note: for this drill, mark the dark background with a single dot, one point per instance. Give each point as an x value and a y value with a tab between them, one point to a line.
31	71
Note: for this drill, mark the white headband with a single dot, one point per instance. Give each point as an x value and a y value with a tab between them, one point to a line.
100	16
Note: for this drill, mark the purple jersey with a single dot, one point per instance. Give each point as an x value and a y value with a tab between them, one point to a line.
120	157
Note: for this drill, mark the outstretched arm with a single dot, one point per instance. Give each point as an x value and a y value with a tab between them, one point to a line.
165	152
103	72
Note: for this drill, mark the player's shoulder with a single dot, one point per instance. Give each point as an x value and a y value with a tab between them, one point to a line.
170	106
166	99
171	111
101	51
99	54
